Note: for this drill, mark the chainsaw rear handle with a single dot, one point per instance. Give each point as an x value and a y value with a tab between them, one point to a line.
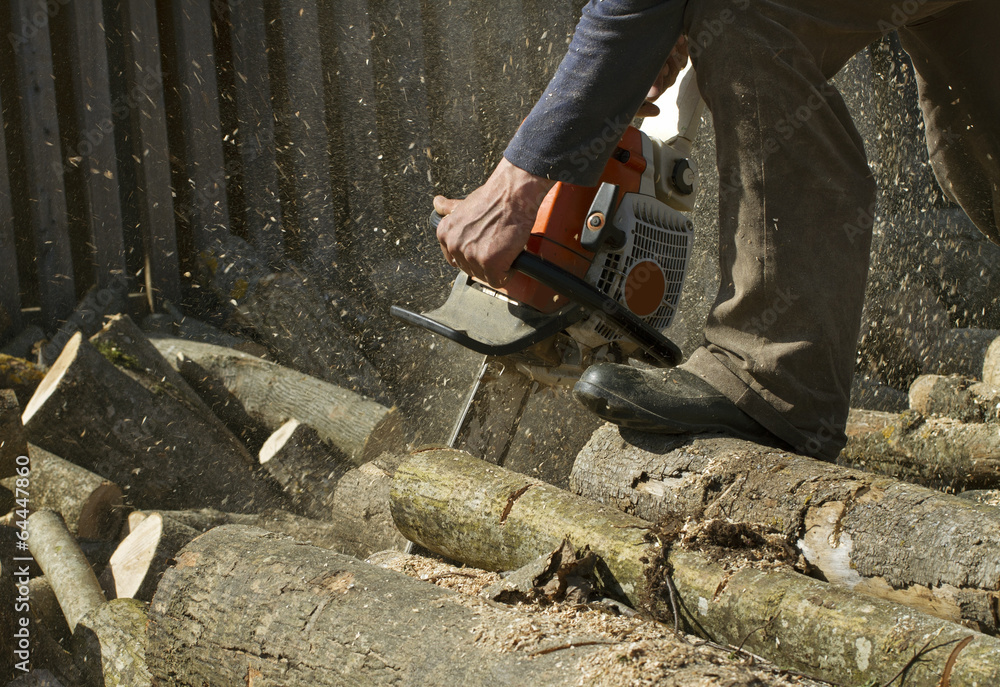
559	280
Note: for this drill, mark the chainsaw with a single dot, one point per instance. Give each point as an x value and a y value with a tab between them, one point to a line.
599	279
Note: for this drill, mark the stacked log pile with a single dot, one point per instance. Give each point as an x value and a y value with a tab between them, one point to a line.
197	512
120	463
948	437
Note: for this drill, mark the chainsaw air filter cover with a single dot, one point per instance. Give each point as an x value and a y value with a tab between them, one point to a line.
647	274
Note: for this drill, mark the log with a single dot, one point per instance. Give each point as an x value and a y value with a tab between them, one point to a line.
88	317
936	452
125	345
224	405
375	626
20	376
991	364
362	496
69	573
959	398
870	534
480	514
90	505
306	467
109	645
518	519
149	444
12	438
273	394
45	609
138	563
357	524
986	497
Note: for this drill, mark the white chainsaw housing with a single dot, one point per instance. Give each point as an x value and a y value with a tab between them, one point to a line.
654	232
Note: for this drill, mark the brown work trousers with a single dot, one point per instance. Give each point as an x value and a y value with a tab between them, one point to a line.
797	196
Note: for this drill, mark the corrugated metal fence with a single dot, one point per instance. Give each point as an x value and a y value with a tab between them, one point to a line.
316	130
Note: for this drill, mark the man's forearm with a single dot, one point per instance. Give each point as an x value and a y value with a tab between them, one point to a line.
617	50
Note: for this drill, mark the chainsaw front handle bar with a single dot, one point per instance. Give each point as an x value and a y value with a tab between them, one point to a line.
559	280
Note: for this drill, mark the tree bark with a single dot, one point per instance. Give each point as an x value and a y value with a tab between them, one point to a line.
90	505
243	605
45	608
12	438
358	522
272	395
871	534
125	345
986	497
160	452
69	573
936	452
138	563
109	645
959	398
486	516
305	466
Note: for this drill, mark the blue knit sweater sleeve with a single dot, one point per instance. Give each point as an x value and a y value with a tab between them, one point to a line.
617	50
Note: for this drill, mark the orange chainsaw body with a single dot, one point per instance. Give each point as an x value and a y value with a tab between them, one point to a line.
555	236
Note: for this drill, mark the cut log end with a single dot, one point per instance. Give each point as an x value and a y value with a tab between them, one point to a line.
52	379
277	441
141	558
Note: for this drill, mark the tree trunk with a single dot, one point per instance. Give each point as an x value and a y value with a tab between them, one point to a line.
69	573
328	487
305	466
90	505
959	398
243	605
109	645
485	516
125	345
936	452
138	564
12	439
911	545
159	451
272	395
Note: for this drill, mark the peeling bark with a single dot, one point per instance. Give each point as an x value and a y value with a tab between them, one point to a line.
909	544
451	503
